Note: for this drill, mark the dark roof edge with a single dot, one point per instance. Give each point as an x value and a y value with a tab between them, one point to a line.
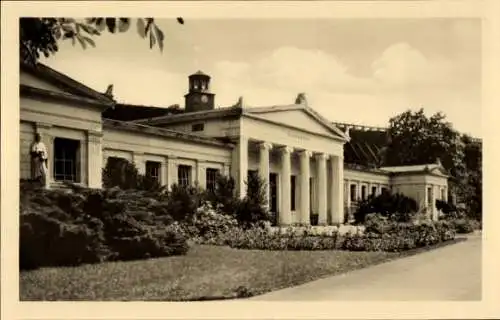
37	92
59	78
191	116
134	127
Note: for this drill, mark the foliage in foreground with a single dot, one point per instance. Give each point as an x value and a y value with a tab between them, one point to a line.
42	35
61	228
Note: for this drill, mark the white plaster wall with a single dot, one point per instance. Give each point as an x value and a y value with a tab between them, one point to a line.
170	152
56	119
27	135
74	116
212	127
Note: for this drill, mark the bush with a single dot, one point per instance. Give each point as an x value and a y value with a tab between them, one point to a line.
209	225
85	226
263	239
47	241
397	207
121	173
386	235
251	209
465	225
183	201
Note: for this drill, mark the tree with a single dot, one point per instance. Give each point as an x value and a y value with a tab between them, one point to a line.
416	139
41	35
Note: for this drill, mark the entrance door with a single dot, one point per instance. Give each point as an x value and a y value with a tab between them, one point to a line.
273	195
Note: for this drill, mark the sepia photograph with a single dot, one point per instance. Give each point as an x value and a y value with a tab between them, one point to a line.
258	159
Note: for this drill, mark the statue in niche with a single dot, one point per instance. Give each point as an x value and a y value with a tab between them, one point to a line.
39	161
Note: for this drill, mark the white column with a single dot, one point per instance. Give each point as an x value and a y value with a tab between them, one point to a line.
348	195
264	168
171	171
358	191
445	194
94	159
200	174
164	172
138	159
436	195
337	196
322	201
285	214
239	167
305	201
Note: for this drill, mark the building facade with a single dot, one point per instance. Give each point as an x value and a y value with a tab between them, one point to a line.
299	153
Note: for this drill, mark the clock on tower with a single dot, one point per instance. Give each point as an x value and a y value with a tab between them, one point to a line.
199	97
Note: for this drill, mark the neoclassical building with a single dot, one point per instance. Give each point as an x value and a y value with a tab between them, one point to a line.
311	165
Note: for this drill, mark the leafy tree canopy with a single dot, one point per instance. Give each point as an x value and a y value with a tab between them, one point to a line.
417	139
41	35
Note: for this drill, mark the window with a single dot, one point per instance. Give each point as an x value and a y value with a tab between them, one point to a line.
197	127
353	192
211	178
153	169
384	190
66	162
363	192
184	175
374	191
292	190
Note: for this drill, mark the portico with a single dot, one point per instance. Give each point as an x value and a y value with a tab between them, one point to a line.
305	181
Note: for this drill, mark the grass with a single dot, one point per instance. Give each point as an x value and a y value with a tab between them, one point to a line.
205	273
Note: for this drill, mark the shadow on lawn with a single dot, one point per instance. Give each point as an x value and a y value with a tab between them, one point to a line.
243	292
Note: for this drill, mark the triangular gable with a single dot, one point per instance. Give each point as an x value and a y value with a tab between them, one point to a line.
32	80
297	116
440	170
46	78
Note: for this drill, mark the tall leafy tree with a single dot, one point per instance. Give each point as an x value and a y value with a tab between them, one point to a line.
417	139
41	35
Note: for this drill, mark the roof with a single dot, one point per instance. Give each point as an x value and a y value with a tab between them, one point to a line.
63	96
366	144
191	116
199	73
64	82
236	112
130	112
139	128
421	168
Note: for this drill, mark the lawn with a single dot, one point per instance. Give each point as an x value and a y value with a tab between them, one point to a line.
205	273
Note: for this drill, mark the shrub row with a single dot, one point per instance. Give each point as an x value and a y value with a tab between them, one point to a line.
382	234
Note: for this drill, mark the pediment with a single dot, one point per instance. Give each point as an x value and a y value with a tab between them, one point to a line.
439	171
31	80
44	78
299	117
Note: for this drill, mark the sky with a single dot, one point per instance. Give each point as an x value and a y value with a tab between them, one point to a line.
361	71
